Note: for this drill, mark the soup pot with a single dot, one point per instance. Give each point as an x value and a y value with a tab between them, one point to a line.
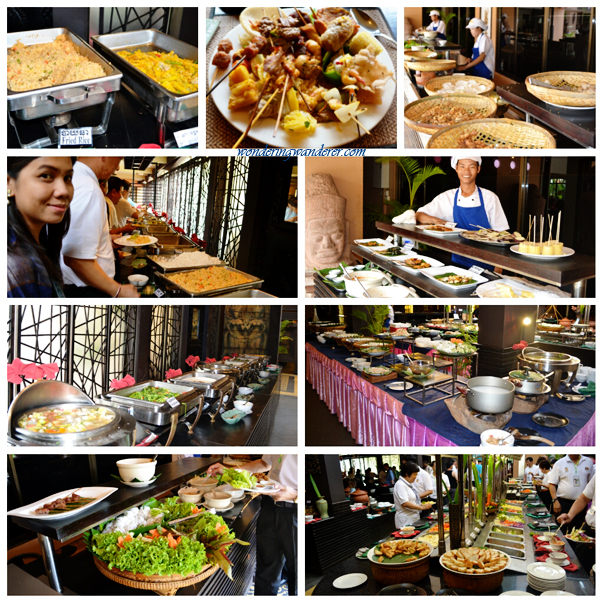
526	381
490	394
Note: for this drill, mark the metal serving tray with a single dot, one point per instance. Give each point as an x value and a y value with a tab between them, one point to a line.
173	241
513	552
254	283
221	381
164	269
152	229
53	100
157	414
166	105
249	293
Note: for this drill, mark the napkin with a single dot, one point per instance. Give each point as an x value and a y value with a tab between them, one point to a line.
589	390
173	373
191	361
407	217
126	381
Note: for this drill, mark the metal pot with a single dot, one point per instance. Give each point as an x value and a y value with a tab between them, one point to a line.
557	364
526	381
490	394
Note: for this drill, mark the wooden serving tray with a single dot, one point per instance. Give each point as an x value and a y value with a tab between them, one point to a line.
374	379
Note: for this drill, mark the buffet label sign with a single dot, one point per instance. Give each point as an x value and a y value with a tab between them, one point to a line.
477	269
75	137
173	402
184	138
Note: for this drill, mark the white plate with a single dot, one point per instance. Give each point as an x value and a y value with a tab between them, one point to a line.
567	251
138	485
331	134
516	593
490	289
433	263
557	592
545	572
124	241
433	272
351	359
238	499
425	227
219	511
398	386
350	581
99	493
269	488
384	245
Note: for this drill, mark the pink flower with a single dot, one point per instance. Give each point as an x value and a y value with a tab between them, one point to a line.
191	361
173	373
15	370
209	360
33	372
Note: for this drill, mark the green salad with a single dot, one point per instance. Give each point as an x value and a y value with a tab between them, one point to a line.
153	394
171	508
240	479
148	556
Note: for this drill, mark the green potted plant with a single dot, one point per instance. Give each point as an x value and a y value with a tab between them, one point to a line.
374	317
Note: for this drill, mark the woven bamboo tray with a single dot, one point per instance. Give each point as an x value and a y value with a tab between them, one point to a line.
434	86
493	134
374	379
462	414
431	65
419	54
480	107
164	586
563	97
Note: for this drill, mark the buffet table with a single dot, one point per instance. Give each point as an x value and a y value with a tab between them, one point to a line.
378	417
574	270
578	125
78	574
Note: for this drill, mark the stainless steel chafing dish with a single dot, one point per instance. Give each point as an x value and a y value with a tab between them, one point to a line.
221	391
63	98
171	285
119	432
262	359
152	229
171	241
166	105
220	368
554	364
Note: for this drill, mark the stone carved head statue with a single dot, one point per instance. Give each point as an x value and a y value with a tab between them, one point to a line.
326	234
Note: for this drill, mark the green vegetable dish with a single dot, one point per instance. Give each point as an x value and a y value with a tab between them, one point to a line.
153	394
454	279
240	479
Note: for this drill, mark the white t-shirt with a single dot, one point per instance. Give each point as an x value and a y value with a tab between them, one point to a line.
123	210
88	236
423	482
442	207
484	44
531	473
545	482
403	492
571	479
112	214
284	469
437	26
590	493
445	479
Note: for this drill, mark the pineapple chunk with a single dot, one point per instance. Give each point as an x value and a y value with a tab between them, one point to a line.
292	100
300	122
238	75
243	94
362	40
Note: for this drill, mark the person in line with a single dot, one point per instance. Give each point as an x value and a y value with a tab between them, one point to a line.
448	467
446	483
87	258
114	229
407	503
395	474
531	471
541	483
468	206
277	525
359	479
370	480
123	209
483	54
584	551
423	484
126	194
427	465
39	193
567	480
385	478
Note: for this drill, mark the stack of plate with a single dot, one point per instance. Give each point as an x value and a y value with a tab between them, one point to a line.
546	577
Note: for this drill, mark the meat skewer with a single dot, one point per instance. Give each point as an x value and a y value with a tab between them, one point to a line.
301	17
257	117
253	114
281	105
225	76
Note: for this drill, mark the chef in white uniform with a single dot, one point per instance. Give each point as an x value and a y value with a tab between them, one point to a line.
437	25
407	502
483	53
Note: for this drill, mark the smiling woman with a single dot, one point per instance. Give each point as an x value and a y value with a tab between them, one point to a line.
39	192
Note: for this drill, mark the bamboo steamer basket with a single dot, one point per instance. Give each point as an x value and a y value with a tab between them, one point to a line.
481	108
431	65
434	86
478	584
494	134
164	586
392	574
566	98
419	54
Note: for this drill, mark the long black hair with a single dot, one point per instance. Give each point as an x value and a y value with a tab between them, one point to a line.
51	235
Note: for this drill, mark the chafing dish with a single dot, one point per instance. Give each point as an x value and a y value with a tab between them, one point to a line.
158	228
171	285
219	368
556	364
156	414
119	432
63	98
172	241
166	105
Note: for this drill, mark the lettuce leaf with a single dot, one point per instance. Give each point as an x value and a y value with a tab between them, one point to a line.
240	479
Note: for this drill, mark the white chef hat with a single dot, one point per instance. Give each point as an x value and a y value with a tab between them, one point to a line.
475	22
434	12
456	158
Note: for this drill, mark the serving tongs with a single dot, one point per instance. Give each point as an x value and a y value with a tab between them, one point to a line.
515	432
178	520
348	276
543	84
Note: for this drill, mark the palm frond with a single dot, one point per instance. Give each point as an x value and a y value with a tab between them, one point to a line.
420	178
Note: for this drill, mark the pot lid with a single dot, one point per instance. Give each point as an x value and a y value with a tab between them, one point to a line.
528	376
551	357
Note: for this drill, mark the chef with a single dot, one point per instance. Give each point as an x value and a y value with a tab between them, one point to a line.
407	502
483	53
437	25
469	206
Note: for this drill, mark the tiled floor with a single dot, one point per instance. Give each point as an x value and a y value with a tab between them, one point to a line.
285	430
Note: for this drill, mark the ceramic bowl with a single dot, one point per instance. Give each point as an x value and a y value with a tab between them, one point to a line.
556	546
442	42
190	494
244	406
233	416
557	558
245	390
231	490
140	468
263	374
509	440
369	279
218	499
204	484
308	518
138	280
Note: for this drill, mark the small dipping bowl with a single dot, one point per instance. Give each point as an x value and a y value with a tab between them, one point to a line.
556	546
218	499
231	490
244	406
190	494
138	280
244	390
558	558
263	374
308	518
204	483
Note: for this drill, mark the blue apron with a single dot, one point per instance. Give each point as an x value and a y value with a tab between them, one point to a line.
432	27
464	219
480	70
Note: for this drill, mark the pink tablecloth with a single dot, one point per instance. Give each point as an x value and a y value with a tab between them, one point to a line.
372	416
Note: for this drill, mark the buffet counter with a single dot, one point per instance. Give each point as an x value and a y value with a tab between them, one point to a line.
76	572
376	416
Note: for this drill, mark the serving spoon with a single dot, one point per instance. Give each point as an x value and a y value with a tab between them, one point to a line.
368	24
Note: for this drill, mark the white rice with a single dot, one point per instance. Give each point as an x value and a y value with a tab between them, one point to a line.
132	519
186	260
